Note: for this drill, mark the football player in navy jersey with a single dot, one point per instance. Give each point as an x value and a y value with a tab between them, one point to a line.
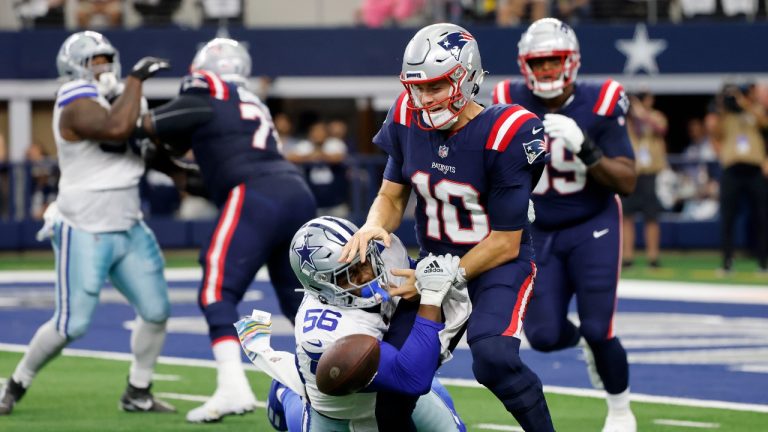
263	200
577	232
473	169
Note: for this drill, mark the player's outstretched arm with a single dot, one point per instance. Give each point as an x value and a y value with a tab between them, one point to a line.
385	216
86	119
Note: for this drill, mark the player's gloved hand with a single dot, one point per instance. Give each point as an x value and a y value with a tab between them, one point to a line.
435	275
147	67
565	128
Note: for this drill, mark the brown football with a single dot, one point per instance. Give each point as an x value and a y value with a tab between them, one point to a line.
348	365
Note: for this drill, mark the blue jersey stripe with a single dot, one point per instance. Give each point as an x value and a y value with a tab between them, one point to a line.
75	97
84	86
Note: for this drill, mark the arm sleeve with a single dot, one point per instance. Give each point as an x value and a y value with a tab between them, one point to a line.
180	115
411	369
513	172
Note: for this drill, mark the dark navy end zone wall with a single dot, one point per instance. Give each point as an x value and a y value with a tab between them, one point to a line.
174	234
691	48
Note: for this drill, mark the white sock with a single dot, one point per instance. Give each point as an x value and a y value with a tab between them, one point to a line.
618	403
146	343
45	345
229	364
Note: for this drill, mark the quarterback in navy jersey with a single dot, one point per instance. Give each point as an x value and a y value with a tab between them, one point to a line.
473	169
577	232
263	200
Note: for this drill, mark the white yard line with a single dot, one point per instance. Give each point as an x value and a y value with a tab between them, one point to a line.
688	424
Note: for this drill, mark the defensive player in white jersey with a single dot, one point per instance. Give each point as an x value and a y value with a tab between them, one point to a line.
98	231
356	298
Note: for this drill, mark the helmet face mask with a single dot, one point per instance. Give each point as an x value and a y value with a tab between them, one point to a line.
314	255
549	38
227	58
441	52
75	59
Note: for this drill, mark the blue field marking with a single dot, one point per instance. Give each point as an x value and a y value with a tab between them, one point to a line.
697	350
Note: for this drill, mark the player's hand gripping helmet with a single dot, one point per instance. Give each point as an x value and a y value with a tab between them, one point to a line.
227	58
315	251
77	52
442	52
549	37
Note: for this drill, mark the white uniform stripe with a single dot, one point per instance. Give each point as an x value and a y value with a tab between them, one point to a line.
505	127
605	104
500	93
214	272
403	110
523	305
63	293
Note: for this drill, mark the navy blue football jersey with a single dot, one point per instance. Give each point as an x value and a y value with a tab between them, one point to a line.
566	195
469	182
239	143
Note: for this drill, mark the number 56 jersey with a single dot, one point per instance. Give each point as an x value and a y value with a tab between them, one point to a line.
565	195
467	182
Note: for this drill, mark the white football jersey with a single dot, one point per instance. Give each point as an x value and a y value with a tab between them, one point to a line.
98	189
319	325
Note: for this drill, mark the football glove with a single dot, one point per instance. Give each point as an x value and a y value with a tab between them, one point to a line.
147	67
435	275
565	128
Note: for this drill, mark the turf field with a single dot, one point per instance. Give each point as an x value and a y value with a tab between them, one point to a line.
697	363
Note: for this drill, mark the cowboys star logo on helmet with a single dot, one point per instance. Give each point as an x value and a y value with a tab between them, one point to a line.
305	252
454	43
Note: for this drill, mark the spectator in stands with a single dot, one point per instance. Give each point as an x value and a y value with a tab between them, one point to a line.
156	13
322	158
378	13
647	128
510	13
218	11
99	13
284	128
698	185
39	13
738	134
44	175
573	11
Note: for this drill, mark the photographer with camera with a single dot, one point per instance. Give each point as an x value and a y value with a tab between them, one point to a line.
741	147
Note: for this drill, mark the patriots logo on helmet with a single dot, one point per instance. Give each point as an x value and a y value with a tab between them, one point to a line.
305	252
454	43
533	149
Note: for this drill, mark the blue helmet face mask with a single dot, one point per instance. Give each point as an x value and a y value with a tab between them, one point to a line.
314	255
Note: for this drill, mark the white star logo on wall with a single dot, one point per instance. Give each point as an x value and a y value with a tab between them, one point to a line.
641	52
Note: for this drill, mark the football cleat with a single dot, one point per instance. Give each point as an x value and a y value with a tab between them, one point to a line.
137	399
275	409
11	395
589	358
222	404
620	422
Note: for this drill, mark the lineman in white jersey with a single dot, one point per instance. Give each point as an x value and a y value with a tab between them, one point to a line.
352	298
98	231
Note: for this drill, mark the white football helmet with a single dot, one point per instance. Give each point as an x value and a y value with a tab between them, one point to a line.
314	255
227	58
549	37
75	54
437	52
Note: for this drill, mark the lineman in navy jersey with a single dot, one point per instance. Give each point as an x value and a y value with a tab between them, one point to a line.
262	198
577	232
473	169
